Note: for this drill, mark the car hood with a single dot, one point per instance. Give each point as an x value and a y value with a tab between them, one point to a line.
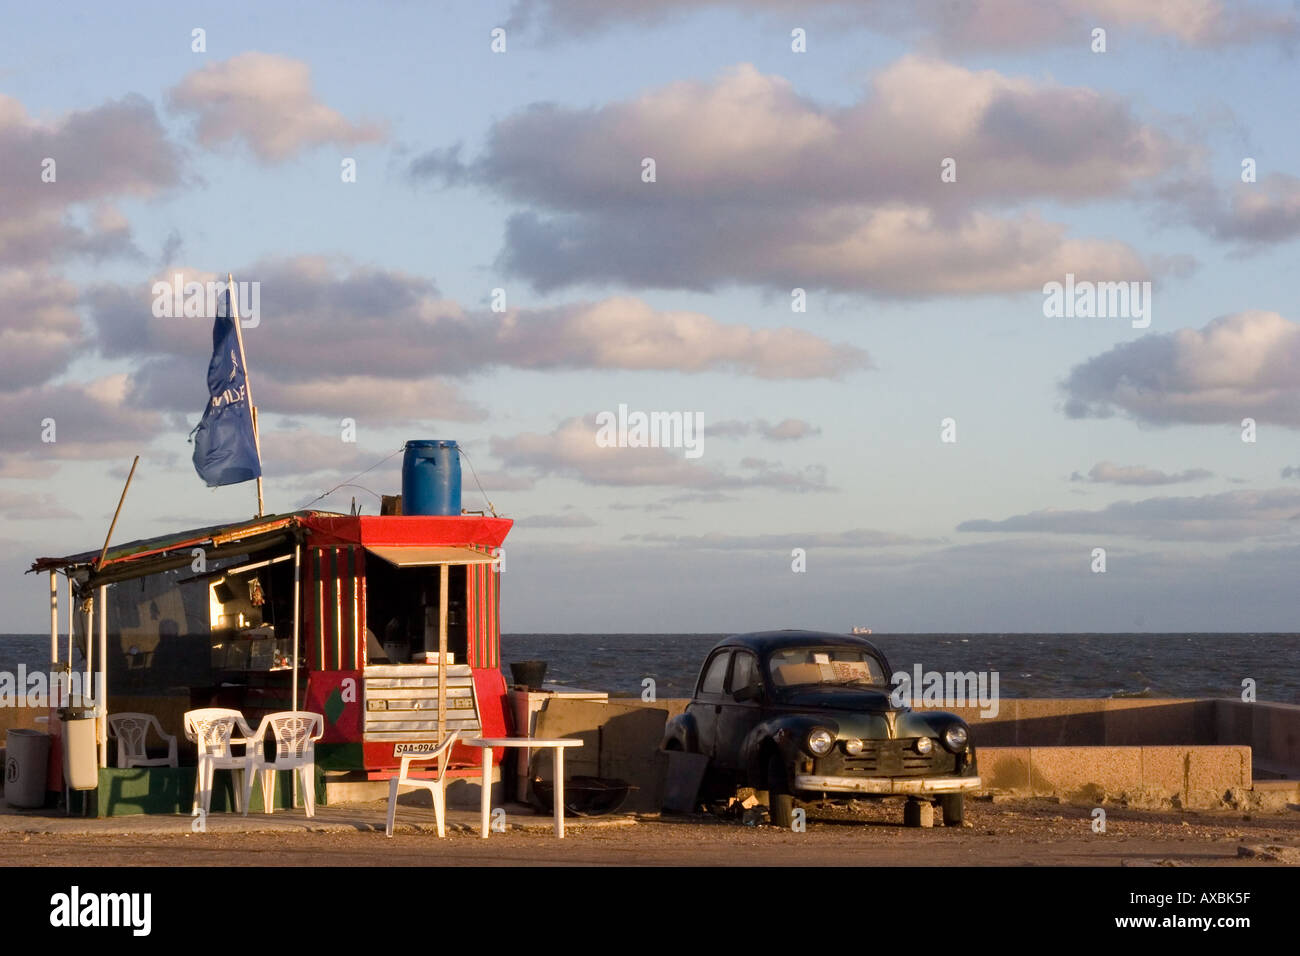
822	697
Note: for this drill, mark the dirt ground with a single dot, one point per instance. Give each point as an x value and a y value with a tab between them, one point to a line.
999	834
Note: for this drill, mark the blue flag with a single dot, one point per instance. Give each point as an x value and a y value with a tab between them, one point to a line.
225	450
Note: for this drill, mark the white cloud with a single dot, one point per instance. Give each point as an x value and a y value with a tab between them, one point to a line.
571	451
267	101
788	429
960	27
40	331
337	338
568	519
91	421
1259	212
719	541
756	184
16	506
1245	365
1109	472
1227	516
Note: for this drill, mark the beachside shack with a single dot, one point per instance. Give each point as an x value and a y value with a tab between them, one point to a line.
387	625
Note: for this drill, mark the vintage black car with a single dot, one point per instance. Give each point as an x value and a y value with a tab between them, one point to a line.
805	715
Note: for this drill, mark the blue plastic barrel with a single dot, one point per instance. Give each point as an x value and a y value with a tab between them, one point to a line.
431	478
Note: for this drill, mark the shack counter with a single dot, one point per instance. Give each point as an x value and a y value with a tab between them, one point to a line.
386	625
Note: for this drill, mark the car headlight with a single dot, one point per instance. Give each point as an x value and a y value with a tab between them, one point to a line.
820	741
923	745
853	747
955	738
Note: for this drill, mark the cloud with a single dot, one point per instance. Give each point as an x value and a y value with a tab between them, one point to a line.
40	331
571	519
321	320
571	451
626	333
1260	212
116	149
899	251
756	184
1108	472
1245	365
747	135
501	481
59	208
959	27
75	165
1291	471
376	397
267	101
852	538
788	429
16	506
300	451
1227	516
91	421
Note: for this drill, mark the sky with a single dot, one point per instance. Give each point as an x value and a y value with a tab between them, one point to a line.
828	230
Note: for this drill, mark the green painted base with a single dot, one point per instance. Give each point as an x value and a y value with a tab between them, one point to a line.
171	790
339	757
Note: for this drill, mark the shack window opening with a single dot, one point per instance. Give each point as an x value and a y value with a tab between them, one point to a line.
402	609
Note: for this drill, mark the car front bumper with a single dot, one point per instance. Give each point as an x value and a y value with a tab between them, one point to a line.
885	785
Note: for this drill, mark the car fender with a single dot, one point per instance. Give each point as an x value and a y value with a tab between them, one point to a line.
786	733
932	723
682	731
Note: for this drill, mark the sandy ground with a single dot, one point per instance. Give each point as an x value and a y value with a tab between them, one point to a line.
1003	834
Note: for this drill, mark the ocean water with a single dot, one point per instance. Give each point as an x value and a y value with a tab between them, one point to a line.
1028	665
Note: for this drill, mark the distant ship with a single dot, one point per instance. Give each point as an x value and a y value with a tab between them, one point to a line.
862	630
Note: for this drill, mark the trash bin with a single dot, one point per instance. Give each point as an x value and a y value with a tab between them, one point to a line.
80	748
27	755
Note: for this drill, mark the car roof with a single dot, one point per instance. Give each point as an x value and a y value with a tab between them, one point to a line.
764	641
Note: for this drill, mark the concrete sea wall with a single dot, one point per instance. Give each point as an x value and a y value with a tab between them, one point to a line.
1142	752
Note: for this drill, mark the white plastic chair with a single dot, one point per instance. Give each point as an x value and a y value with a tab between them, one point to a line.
131	731
212	729
296	733
437	786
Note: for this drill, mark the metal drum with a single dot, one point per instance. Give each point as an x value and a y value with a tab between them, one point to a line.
431	478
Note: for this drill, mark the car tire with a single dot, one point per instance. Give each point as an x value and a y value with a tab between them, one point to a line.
780	802
954	809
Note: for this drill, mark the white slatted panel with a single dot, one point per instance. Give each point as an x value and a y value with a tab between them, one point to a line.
401	702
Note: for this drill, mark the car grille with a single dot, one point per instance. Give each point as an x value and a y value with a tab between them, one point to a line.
894	758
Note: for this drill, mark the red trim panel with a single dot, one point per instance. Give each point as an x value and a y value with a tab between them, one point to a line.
427	530
337	695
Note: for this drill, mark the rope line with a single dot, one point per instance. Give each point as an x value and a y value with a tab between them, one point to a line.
344	484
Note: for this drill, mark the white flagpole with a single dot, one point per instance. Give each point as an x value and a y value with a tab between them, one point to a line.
248	385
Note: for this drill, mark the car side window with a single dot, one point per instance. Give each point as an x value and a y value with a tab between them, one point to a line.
715	674
744	672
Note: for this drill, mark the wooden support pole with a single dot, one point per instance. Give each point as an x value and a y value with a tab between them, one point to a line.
101	691
444	585
54	620
109	537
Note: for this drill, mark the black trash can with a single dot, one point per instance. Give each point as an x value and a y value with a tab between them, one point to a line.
528	673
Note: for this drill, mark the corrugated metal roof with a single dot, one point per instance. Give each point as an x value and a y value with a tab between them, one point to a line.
144	547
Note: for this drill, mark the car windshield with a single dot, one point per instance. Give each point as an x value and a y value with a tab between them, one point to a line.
843	666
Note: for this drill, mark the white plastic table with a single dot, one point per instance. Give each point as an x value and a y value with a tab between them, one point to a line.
487	743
